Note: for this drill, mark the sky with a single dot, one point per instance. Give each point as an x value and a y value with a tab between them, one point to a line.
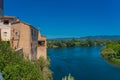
68	18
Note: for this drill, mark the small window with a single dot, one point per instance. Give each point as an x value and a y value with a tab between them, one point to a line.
16	33
32	32
6	22
41	43
5	33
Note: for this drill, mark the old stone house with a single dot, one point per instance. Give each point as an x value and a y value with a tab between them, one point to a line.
23	36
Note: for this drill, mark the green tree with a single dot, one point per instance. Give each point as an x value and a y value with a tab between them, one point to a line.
14	67
89	42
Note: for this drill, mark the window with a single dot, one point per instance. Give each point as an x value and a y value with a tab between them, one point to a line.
5	33
16	33
6	22
41	43
32	33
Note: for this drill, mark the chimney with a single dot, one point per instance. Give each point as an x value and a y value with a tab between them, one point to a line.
1	8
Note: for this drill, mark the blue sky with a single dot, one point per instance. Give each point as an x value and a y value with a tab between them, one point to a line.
68	18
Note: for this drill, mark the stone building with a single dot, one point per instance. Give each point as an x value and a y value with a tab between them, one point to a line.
23	36
5	27
42	45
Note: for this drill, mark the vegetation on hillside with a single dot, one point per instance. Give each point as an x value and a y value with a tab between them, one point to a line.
112	52
75	42
14	67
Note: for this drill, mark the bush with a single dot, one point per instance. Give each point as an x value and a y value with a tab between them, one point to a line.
14	67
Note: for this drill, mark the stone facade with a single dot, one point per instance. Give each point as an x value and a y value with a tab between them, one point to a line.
23	36
5	27
42	45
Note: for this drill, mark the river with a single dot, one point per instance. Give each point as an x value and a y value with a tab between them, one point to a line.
84	63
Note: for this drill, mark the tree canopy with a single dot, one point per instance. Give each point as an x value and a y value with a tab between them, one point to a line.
14	67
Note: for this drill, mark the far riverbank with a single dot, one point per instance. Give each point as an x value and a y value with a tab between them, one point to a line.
111	53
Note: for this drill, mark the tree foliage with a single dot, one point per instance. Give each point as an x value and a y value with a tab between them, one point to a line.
73	43
14	67
112	51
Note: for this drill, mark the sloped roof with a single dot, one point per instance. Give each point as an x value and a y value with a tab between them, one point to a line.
7	17
24	23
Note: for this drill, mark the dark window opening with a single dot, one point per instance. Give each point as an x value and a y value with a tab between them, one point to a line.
6	22
5	33
16	33
41	43
32	33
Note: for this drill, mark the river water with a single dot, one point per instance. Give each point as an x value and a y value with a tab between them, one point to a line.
84	63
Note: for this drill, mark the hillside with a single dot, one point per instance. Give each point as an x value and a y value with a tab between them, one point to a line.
100	37
14	67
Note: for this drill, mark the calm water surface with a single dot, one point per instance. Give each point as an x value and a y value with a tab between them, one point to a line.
84	63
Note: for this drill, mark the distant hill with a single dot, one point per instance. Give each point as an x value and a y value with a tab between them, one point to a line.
101	37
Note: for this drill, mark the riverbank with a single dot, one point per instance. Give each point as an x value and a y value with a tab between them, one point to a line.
113	61
74	43
112	53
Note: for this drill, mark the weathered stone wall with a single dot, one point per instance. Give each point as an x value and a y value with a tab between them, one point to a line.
23	40
5	34
26	37
42	49
34	42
